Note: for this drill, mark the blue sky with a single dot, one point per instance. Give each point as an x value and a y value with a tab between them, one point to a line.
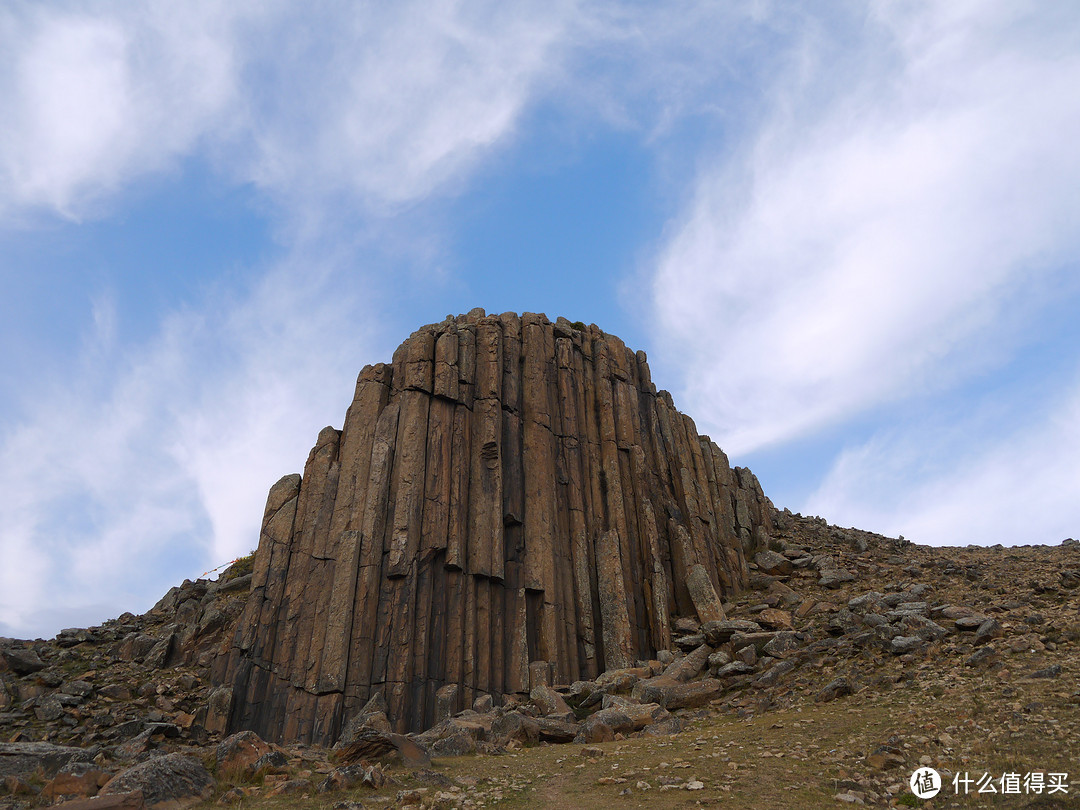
846	234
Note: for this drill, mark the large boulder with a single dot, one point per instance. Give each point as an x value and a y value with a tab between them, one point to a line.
237	755
22	662
167	782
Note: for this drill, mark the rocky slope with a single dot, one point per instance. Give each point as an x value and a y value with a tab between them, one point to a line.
849	661
508	490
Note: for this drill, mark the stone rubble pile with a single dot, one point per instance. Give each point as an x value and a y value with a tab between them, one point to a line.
116	714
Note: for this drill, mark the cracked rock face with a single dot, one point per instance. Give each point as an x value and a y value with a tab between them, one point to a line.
508	490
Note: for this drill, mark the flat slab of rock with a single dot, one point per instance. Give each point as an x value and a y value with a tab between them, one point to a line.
555	730
672	694
835	577
690	665
734	668
776	619
772	676
21	758
122	801
717	633
773	564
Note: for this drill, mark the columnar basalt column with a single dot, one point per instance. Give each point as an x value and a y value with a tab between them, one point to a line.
507	490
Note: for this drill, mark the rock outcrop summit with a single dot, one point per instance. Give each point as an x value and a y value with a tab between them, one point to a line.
509	493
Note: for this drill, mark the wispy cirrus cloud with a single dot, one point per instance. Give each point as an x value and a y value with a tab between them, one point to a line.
1004	473
138	464
343	103
149	463
898	226
888	230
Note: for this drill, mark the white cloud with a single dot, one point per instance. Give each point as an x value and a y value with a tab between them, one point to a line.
94	101
994	476
889	230
146	462
385	106
323	106
151	463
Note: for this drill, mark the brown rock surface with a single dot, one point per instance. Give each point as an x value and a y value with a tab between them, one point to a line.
825	703
507	490
170	780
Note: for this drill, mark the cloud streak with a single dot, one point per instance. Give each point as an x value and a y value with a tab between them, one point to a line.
92	102
901	226
325	106
1002	475
151	463
146	463
884	233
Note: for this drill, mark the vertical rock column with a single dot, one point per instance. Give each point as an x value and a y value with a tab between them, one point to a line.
508	490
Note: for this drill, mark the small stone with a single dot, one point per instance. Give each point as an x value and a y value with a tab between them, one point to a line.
835	577
775	619
1049	672
984	655
905	644
988	630
838	687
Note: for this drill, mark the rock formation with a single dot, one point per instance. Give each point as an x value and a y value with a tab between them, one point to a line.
507	491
